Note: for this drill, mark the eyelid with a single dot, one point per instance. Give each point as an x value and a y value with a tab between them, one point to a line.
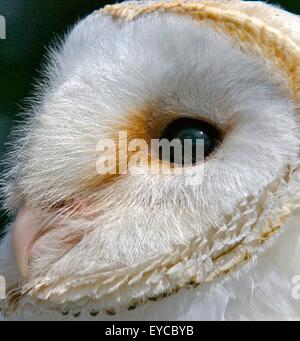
150	121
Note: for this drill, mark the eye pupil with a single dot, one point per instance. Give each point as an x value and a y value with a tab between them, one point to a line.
192	130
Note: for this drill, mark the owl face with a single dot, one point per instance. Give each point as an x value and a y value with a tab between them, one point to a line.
126	238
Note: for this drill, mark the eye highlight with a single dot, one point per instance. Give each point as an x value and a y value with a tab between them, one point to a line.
191	130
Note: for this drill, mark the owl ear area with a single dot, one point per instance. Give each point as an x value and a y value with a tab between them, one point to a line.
26	230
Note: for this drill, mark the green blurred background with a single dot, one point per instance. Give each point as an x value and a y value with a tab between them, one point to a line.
30	26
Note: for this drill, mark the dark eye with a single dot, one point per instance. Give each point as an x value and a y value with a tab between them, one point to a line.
192	130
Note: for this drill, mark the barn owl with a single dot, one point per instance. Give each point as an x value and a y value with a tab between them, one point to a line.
85	245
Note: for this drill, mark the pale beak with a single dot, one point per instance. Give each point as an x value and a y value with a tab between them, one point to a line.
26	229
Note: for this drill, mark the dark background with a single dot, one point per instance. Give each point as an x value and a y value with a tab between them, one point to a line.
30	26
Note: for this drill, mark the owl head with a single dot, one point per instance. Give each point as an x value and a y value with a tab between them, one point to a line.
224	72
